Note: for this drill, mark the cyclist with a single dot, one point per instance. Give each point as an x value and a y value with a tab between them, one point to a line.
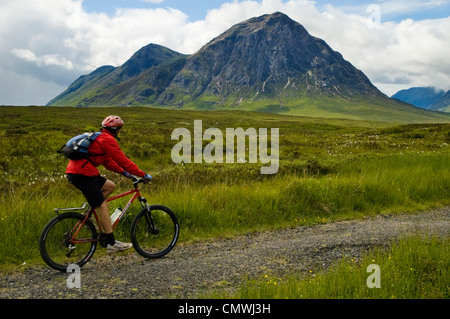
84	175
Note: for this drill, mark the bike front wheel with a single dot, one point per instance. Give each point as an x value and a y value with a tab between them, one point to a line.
154	231
58	246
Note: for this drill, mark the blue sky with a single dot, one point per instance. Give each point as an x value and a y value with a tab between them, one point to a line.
197	9
47	44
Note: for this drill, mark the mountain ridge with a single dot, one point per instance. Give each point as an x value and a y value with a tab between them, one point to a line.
102	84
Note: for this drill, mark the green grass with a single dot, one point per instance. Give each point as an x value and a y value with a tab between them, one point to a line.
361	188
412	268
330	169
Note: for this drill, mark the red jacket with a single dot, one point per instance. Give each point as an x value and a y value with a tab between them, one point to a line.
113	159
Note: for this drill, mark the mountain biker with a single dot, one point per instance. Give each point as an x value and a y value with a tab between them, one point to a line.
84	175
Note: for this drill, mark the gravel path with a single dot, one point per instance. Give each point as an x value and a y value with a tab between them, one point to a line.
192	270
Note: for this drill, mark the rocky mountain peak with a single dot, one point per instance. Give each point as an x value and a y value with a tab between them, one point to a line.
270	56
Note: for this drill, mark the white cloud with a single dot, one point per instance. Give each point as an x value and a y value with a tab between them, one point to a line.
394	55
45	60
105	40
25	55
55	41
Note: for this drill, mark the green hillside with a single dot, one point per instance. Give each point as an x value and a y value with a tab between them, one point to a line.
364	109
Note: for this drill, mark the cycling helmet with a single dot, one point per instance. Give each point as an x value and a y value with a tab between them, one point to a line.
112	122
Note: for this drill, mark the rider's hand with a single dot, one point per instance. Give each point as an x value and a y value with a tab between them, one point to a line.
147	178
127	175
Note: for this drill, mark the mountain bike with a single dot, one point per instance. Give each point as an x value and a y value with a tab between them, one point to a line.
72	237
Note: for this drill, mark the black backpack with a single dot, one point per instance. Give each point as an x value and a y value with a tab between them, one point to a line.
77	147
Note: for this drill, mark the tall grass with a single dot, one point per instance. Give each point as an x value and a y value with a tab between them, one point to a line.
368	187
356	189
415	267
23	216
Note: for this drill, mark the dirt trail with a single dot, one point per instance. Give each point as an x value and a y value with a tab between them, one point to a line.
191	270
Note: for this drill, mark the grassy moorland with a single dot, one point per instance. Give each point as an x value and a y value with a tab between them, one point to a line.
330	169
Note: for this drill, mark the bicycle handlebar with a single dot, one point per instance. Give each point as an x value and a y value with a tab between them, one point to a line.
138	180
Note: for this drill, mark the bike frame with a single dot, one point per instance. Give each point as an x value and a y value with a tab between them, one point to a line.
137	195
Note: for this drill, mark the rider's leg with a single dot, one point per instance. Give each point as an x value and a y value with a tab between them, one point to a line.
108	188
105	219
103	210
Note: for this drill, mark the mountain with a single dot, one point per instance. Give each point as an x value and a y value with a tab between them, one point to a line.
110	86
270	56
422	97
268	63
443	104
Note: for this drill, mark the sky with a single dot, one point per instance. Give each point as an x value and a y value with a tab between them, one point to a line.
45	45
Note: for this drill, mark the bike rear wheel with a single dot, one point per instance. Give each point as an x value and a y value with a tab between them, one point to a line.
56	246
154	231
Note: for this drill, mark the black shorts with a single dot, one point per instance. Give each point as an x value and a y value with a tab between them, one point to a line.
90	186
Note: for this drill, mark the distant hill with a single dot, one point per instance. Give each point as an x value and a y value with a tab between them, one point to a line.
443	104
422	97
268	63
428	98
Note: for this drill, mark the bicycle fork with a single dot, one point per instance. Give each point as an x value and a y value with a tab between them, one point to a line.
152	228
